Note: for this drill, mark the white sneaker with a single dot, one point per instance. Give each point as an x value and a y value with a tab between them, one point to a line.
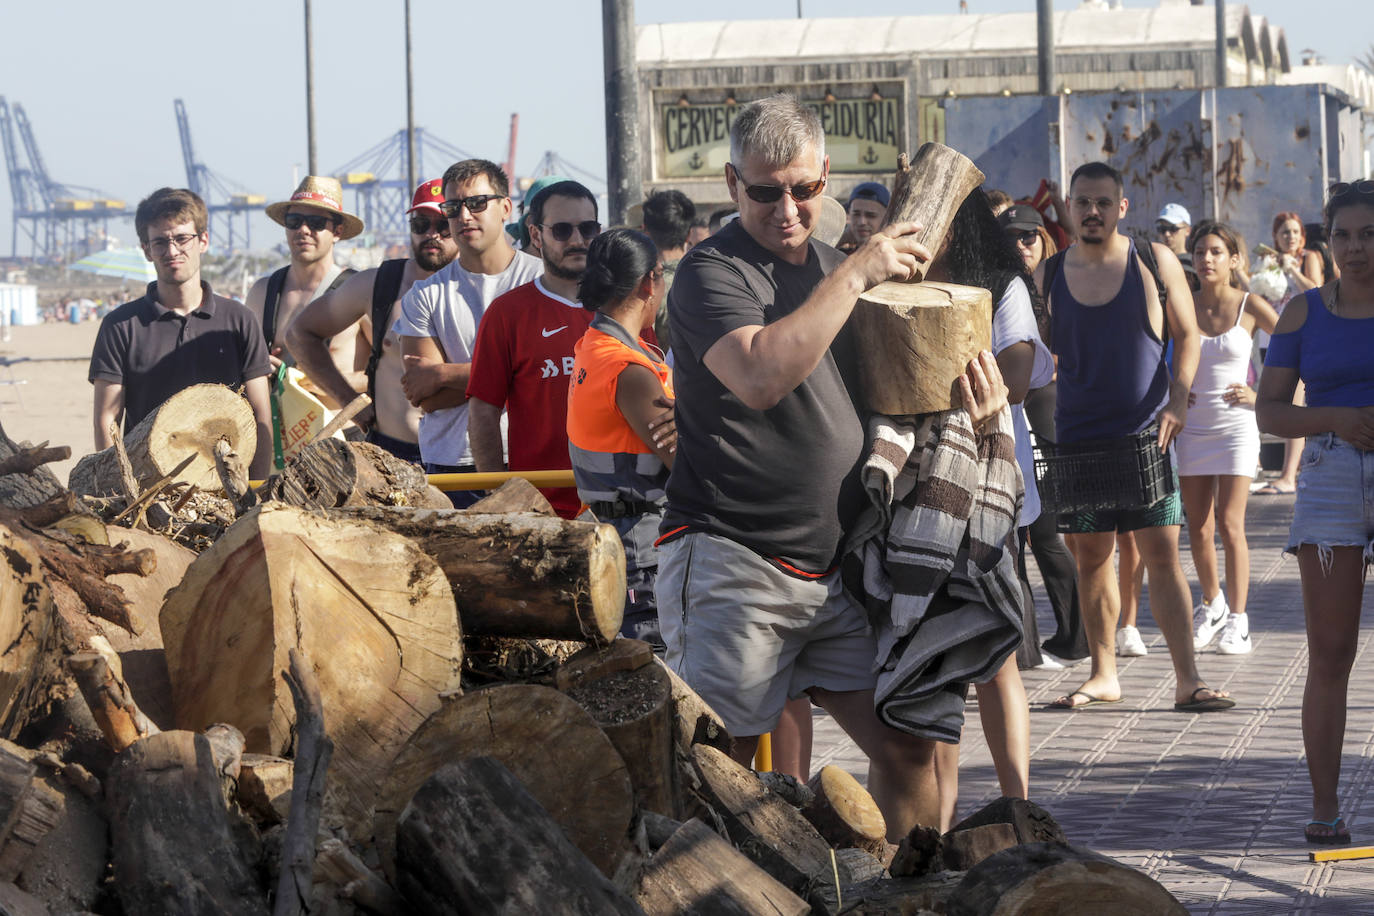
1235	636
1048	663
1129	644
1208	618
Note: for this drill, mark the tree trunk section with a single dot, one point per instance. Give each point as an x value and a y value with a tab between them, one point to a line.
917	339
1032	823
173	852
766	829
521	575
635	710
331	473
930	191
844	813
547	742
190	422
696	873
374	613
20	489
515	495
475	840
1064	880
29	635
695	721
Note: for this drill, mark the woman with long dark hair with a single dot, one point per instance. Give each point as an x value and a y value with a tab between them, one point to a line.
977	252
1324	338
1219	448
619	384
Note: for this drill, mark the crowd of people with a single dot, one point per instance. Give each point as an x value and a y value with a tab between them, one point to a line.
698	375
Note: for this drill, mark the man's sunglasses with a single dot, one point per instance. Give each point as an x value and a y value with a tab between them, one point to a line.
1164	228
561	232
316	221
423	225
475	204
1026	238
771	193
1342	188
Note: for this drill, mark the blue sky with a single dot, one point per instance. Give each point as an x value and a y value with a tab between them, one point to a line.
98	79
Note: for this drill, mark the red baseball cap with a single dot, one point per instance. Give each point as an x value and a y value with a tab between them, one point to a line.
427	196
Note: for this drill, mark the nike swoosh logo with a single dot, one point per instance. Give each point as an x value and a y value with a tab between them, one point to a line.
548	333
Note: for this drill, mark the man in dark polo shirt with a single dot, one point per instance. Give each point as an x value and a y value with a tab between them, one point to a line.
769	447
179	333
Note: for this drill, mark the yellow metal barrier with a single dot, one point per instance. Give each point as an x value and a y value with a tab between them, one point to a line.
763	754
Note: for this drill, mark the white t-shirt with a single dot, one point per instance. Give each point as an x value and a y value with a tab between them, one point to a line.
1012	322
448	306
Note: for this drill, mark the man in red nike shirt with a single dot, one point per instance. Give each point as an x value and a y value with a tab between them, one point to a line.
524	350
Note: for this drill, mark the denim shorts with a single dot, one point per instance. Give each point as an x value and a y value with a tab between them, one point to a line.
747	636
1335	501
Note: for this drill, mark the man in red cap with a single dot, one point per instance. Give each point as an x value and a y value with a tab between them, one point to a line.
373	297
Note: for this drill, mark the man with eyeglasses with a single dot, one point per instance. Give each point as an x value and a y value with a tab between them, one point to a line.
314	219
374	298
179	333
770	446
524	352
440	315
1109	332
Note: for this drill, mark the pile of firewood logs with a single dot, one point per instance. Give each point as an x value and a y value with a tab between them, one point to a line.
354	699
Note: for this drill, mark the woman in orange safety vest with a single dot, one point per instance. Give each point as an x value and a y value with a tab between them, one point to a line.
619	384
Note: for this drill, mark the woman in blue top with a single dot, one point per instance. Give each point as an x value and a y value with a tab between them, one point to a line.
1324	338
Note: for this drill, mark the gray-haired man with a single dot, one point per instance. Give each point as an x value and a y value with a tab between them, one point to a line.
769	448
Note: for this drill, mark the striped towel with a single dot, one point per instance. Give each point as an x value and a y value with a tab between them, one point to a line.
933	559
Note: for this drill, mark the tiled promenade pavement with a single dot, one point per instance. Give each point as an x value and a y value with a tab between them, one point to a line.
1210	805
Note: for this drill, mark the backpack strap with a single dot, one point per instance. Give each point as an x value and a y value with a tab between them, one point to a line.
1145	249
384	289
275	284
1053	264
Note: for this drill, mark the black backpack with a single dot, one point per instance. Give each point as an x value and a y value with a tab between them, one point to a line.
272	299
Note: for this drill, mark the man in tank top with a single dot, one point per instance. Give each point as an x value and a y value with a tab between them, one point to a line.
1108	331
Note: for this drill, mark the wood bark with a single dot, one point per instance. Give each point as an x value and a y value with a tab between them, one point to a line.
26	460
696	873
916	340
1064	880
15	901
263	790
475	840
190	422
67	865
355	881
964	849
29	635
313	750
696	722
515	495
1032	823
929	190
635	710
332	473
521	575
21	489
173	852
110	700
28	809
546	740
374	613
844	813
889	896
766	829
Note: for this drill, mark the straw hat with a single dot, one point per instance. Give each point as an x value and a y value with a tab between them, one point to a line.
321	193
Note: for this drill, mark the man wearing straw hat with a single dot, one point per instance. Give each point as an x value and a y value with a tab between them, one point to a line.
314	218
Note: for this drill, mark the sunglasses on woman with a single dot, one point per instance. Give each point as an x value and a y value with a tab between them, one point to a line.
1342	188
315	221
771	193
1025	239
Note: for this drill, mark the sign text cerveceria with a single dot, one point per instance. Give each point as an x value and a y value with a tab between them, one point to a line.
874	121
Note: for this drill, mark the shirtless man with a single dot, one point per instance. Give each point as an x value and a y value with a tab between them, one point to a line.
314	219
1109	332
391	422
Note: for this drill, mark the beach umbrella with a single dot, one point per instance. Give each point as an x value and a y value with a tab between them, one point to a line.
124	263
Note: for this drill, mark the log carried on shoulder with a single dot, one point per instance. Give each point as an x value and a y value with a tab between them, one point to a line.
190	422
916	339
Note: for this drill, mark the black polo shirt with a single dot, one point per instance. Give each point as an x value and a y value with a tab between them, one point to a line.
153	352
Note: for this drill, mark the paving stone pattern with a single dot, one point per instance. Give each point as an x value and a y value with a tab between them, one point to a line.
1211	805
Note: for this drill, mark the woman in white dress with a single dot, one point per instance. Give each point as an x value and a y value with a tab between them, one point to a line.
1219	447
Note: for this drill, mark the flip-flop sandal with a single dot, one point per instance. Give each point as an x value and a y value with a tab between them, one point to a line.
1270	490
1208	704
1339	836
1069	706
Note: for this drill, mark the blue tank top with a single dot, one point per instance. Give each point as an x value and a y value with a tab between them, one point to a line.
1112	375
1331	355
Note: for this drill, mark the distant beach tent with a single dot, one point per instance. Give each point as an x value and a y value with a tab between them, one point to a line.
123	263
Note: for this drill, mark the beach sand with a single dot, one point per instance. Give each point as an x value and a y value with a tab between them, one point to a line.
43	389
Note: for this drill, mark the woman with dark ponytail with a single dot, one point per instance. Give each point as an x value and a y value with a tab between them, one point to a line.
620	384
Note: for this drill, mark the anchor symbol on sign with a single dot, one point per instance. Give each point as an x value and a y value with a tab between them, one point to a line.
870	157
695	162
